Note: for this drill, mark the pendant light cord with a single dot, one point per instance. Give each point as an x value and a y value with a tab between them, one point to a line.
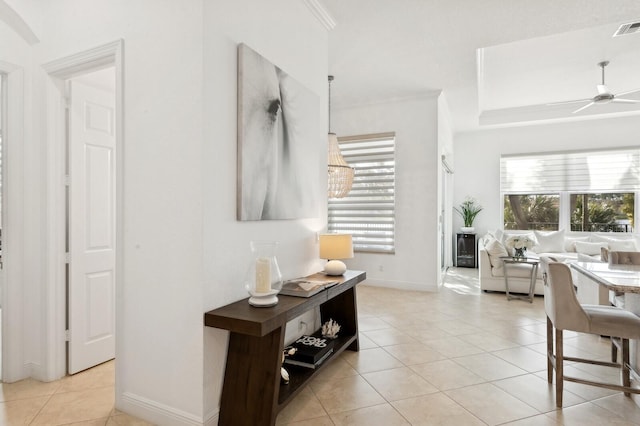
330	80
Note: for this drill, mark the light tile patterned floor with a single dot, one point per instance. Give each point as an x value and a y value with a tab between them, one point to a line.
456	357
85	399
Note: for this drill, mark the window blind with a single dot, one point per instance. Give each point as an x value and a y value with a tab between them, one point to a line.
586	171
368	211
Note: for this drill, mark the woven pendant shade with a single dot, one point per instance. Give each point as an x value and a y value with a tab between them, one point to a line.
340	173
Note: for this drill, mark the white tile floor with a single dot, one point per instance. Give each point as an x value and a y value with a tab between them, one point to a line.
85	399
456	357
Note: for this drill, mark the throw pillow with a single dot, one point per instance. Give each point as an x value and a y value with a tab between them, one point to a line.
495	249
622	245
549	242
589	248
570	243
616	244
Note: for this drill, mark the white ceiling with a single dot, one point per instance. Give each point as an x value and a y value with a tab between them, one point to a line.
499	62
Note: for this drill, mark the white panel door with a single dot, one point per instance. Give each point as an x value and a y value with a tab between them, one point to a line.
91	304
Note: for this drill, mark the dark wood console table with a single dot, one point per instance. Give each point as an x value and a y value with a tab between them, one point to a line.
251	393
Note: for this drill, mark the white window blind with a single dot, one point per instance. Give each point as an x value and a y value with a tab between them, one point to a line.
368	211
588	171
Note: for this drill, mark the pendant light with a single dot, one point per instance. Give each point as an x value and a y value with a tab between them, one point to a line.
340	173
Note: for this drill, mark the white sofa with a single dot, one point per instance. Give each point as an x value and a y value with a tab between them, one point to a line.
557	245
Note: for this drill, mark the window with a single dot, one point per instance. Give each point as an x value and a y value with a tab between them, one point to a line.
592	191
604	212
532	211
368	211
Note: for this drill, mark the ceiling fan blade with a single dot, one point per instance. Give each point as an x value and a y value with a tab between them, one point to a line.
584	107
628	92
625	101
603	89
570	102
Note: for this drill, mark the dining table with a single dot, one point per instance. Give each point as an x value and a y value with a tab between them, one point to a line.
602	283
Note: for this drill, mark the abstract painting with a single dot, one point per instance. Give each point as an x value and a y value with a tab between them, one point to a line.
278	140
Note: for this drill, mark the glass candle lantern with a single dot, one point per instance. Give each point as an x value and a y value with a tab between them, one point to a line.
264	280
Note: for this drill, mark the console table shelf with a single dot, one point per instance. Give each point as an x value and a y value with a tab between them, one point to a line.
251	392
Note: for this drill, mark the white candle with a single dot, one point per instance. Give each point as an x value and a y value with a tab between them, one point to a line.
263	275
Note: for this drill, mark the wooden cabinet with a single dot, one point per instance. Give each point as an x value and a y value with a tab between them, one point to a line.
466	250
252	394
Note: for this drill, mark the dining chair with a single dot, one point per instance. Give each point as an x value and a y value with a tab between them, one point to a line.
564	312
624	257
617	298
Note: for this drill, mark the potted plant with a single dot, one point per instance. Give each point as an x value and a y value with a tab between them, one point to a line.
469	209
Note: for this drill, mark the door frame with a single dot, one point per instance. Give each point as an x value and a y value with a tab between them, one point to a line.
108	55
14	367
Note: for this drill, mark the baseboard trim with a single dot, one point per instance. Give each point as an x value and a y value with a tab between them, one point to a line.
158	413
401	285
212	418
37	372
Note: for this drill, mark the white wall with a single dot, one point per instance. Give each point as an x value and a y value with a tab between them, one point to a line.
16	63
159	368
477	156
445	183
184	252
415	264
286	33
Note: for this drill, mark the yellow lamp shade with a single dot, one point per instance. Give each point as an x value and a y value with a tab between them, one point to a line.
334	247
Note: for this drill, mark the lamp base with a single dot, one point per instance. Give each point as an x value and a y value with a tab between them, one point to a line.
335	267
263	300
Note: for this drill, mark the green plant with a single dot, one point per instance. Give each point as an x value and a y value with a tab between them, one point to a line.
469	210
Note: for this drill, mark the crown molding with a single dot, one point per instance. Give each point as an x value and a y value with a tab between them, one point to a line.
10	17
321	13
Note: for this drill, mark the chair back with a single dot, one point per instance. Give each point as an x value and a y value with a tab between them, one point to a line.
560	300
624	258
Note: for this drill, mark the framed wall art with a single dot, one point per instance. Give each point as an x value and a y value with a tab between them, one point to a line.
278	139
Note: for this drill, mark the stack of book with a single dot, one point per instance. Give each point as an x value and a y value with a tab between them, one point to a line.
311	350
304	287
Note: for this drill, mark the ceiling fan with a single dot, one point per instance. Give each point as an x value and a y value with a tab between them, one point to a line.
604	95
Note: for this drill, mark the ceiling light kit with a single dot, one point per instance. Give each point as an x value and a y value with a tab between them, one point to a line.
604	95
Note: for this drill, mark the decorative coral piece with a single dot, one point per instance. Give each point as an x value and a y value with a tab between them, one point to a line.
330	329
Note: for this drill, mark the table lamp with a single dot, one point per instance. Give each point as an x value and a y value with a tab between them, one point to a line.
334	247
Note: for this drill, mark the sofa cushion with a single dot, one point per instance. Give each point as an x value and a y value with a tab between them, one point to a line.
589	248
561	257
549	242
517	270
588	258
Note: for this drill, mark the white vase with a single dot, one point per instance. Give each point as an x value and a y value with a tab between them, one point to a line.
467	229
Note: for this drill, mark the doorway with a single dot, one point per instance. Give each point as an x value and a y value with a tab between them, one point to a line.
64	74
90	219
